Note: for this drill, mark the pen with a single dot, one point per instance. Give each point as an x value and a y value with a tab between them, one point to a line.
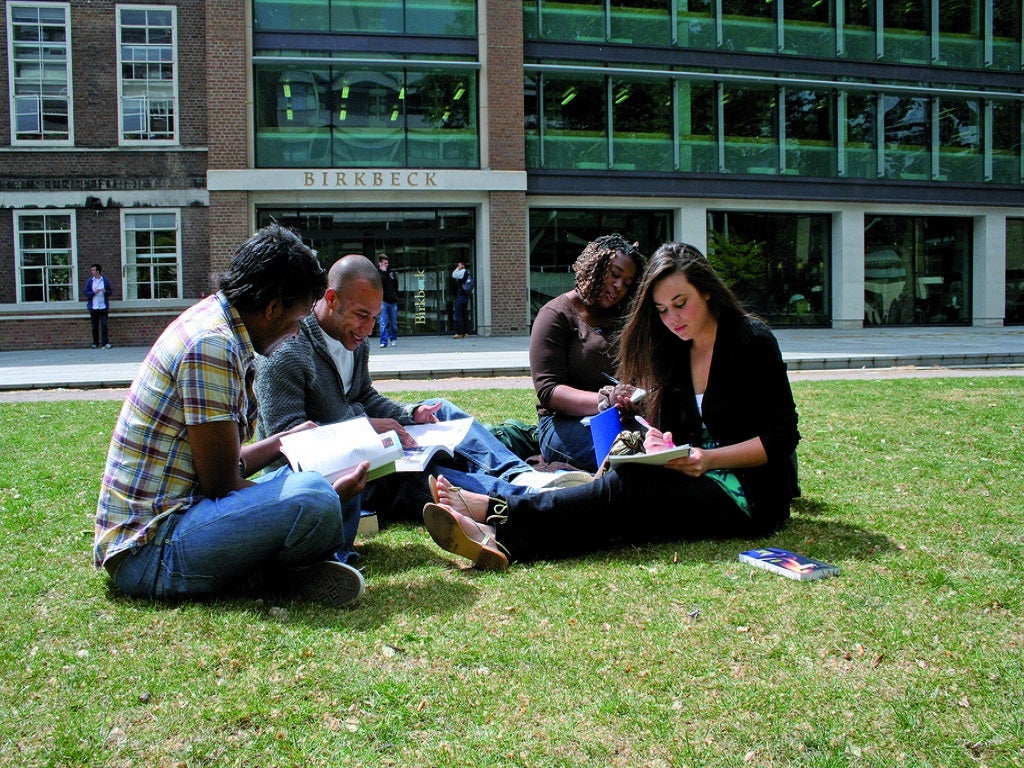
611	378
642	422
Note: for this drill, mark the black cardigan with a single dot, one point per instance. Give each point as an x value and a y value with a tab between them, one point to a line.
747	395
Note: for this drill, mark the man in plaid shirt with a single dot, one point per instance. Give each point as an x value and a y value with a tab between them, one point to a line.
177	516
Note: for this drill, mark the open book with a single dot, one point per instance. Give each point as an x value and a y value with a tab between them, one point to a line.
432	439
657	459
333	449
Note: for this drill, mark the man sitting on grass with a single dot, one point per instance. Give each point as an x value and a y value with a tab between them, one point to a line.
177	517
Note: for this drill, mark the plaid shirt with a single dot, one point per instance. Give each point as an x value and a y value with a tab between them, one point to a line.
198	371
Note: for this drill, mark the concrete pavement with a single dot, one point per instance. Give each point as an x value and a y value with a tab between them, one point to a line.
433	357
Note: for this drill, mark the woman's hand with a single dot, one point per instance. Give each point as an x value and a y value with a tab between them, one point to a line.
694	465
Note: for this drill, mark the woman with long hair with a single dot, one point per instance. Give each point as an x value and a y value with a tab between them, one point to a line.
716	381
570	350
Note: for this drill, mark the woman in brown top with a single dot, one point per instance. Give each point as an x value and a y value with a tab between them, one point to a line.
570	350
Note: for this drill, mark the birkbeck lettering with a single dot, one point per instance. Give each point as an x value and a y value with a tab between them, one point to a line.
371	179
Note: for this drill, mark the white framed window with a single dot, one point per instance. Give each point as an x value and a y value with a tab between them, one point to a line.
152	254
44	251
147	79
39	75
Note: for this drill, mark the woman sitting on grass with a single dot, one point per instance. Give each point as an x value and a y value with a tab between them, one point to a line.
716	380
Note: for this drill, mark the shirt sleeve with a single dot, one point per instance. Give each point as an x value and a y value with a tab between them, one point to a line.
211	382
549	358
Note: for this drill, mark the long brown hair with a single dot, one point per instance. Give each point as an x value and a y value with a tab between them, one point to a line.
645	347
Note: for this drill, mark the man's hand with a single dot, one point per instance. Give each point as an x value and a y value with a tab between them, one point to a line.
380	426
424	414
353	483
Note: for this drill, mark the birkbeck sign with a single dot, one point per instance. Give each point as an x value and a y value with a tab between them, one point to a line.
365	180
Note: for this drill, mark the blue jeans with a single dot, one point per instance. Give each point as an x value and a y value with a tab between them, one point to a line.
287	519
564	438
388	322
482	463
460	313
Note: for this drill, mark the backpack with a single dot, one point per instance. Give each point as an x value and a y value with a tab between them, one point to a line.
467	285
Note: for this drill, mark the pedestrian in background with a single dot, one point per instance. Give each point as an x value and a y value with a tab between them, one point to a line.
97	301
389	309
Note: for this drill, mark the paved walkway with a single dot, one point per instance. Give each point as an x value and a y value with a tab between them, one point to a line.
432	357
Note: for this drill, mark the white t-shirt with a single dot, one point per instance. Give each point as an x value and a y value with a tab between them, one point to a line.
344	360
98	300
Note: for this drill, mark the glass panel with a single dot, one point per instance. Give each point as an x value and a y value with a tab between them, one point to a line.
696	24
292	15
151	255
573	20
907	137
642	125
442	125
382	16
41	77
368	116
777	264
698	143
810	133
643	22
558	236
809	28
861	147
960	155
749	25
44	257
961	34
147	69
575	122
906	31
917	270
751	144
1006	35
1015	271
455	18
1006	142
531	119
292	117
423	246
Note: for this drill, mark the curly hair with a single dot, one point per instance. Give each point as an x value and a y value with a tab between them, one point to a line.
592	265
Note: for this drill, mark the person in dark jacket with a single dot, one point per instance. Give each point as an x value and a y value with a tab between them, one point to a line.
389	306
97	301
716	381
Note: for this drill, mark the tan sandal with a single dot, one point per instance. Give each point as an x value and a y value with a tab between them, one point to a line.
494	506
444	528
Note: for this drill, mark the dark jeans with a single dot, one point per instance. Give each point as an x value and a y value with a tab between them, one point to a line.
631	505
461	312
98	319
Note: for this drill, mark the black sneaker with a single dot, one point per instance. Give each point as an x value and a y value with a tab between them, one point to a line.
328	582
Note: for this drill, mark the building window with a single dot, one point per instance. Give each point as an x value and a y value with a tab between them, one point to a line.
558	236
39	52
45	254
148	73
1015	271
917	270
777	264
152	258
310	115
448	18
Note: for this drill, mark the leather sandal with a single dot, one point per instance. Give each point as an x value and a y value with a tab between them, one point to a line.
447	533
495	507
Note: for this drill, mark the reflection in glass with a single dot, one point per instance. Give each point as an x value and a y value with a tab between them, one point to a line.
809	28
810	148
859	29
960	155
575	123
917	270
961	34
698	138
1015	271
906	31
558	236
907	124
644	22
749	25
573	20
749	116
1006	147
777	264
1006	33
454	18
642	125
695	24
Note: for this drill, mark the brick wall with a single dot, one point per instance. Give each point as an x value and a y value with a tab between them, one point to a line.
73	331
227	84
508	235
505	85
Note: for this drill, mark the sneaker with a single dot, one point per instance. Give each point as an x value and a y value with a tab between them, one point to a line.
328	582
547	481
95	346
383	344
394	342
108	346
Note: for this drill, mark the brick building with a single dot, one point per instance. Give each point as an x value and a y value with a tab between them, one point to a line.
849	165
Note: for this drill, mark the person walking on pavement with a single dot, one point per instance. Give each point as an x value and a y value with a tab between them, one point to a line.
97	301
463	286
389	308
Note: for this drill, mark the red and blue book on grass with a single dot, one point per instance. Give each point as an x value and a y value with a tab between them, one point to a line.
788	564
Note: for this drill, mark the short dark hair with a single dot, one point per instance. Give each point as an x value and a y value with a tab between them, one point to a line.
97	267
272	264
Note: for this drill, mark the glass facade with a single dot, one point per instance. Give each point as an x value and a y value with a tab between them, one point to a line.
423	246
777	264
972	34
450	18
558	236
1015	271
694	123
917	270
310	114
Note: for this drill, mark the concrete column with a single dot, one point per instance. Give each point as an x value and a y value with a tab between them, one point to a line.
847	274
692	226
988	272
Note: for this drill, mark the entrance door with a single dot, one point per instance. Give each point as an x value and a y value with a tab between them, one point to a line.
423	246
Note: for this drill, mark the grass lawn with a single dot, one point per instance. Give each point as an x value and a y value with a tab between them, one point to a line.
670	655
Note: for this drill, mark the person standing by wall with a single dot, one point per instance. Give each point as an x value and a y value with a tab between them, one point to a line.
97	301
389	309
462	283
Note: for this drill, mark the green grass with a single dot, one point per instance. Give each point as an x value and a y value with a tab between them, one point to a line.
670	655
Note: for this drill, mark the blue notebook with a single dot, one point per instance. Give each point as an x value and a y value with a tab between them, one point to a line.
604	428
